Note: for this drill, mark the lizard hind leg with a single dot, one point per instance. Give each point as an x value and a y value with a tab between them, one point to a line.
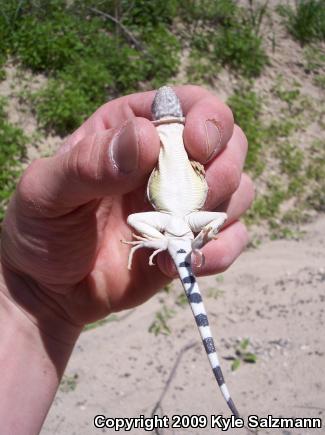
159	245
207	224
151	226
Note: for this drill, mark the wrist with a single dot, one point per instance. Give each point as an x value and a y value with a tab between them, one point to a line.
32	363
25	296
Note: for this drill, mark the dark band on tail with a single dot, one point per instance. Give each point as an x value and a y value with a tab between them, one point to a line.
218	375
232	407
194	298
202	320
209	345
184	264
189	279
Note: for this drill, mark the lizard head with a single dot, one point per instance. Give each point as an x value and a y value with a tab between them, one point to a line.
166	104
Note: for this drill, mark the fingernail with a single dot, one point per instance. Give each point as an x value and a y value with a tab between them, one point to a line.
213	138
125	148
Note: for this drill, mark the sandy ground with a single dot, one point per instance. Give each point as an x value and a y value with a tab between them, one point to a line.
273	295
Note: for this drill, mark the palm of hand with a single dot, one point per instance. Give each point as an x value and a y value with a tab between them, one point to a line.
78	259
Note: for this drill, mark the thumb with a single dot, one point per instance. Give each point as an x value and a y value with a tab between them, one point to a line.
110	162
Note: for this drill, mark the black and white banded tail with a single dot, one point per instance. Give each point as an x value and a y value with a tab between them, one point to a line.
181	255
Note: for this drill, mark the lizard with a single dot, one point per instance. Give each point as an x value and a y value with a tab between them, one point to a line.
177	190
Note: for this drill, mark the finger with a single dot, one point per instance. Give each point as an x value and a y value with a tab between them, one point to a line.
115	112
110	162
209	126
219	254
223	174
240	201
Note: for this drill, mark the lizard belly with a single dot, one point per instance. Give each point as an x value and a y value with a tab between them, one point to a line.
177	185
183	193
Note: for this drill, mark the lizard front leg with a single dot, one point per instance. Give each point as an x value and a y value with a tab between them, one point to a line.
207	224
151	226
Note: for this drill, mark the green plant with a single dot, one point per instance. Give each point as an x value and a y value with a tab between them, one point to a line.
247	106
320	81
87	54
214	293
316	175
281	128
316	168
291	158
2	71
314	56
181	299
295	216
228	35
306	20
108	319
47	45
288	96
266	206
242	355
292	96
163	56
144	14
207	12
62	106
12	151
200	68
240	48
69	383
280	231
255	14
160	325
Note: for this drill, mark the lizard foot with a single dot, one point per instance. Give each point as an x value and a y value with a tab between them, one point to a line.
158	245
205	235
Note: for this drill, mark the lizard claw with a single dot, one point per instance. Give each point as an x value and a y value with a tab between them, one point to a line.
151	263
143	238
198	254
128	242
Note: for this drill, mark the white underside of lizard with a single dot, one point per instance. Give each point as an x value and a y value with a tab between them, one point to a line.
177	190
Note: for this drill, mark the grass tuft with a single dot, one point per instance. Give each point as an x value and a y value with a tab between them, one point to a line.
305	20
247	106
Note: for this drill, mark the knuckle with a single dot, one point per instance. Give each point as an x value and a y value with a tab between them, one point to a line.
232	177
84	164
241	138
27	188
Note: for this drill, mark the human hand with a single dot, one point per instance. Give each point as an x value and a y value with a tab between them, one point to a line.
63	228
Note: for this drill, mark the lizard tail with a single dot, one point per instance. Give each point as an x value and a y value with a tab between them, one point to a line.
182	260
